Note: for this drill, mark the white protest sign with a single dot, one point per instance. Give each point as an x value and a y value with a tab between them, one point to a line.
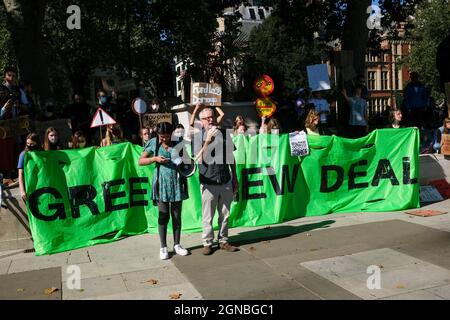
101	118
299	144
318	77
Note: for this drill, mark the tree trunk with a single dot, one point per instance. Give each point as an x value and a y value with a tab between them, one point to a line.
25	19
356	33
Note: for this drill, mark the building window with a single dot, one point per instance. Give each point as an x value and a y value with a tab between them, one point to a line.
384	81
371	80
261	14
251	11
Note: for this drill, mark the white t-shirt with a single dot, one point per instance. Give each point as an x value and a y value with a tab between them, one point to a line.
321	105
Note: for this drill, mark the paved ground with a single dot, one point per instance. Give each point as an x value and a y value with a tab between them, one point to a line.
310	258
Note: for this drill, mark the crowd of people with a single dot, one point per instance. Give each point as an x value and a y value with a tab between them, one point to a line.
312	113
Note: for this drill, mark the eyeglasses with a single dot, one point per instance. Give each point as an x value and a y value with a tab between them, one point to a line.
207	118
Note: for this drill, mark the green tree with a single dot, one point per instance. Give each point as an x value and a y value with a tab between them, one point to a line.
430	26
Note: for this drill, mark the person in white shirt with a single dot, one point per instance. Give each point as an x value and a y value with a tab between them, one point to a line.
322	107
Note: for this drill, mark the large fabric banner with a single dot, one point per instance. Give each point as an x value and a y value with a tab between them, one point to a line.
84	197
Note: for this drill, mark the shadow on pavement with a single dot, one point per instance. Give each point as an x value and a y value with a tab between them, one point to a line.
274	233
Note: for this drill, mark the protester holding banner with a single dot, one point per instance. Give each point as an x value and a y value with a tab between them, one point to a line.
32	144
395	118
218	179
114	135
322	107
79	140
168	188
273	126
51	140
312	123
239	126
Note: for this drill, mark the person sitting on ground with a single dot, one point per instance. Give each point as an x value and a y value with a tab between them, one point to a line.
312	123
114	135
32	144
445	129
395	118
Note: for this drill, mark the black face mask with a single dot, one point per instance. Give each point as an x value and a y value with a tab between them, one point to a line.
32	148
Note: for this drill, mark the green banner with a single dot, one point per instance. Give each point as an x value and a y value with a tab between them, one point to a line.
79	198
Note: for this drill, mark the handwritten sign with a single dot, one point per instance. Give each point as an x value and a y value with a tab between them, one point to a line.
264	86
206	93
152	119
265	107
14	127
445	145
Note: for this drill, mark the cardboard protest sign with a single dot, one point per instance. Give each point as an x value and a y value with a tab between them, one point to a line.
63	126
209	94
318	77
14	127
152	119
445	145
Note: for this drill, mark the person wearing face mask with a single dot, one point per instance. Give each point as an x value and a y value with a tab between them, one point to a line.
51	140
274	126
78	141
104	102
32	144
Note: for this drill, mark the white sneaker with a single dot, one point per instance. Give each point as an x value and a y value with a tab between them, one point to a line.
164	253
180	250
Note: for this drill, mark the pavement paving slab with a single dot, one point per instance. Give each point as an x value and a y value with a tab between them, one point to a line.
31	285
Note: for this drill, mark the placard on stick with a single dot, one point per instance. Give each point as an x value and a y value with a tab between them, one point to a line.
209	94
152	119
445	145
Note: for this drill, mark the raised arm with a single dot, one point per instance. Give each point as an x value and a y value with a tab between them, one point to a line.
221	115
194	115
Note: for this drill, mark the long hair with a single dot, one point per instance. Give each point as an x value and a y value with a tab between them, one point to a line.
77	135
312	115
446	130
392	115
273	123
239	121
33	137
47	145
164	128
115	134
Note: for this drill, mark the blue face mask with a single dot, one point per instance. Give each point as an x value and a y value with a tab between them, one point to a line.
103	100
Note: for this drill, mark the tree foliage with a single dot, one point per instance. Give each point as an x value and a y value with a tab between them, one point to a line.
430	26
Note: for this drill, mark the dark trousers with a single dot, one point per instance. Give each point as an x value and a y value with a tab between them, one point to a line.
166	210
